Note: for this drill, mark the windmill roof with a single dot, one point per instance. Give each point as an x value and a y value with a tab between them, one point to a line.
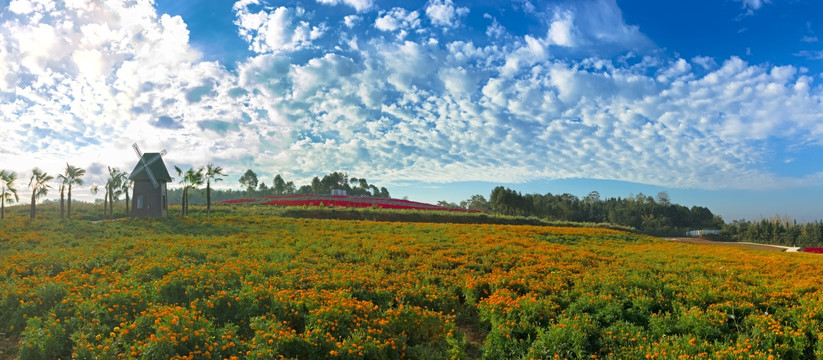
157	168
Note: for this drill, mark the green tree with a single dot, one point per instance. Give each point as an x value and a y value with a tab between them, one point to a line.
592	198
114	188
9	194
63	183
75	177
663	198
180	174
125	185
316	185
39	187
476	202
249	181
447	204
279	185
194	179
213	173
94	189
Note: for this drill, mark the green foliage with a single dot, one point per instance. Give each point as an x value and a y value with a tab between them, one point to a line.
249	180
569	338
641	212
250	284
44	339
319	185
777	230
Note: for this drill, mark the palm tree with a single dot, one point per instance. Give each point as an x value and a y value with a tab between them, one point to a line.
113	189
212	173
63	181
194	178
74	175
39	187
125	185
7	179
106	188
182	181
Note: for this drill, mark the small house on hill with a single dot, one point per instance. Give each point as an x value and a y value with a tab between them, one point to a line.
149	196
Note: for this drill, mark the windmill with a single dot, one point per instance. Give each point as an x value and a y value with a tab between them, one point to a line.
150	177
144	165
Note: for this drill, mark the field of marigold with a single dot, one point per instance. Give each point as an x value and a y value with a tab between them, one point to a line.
246	286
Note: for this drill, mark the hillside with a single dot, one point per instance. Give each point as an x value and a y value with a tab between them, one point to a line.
342	201
247	285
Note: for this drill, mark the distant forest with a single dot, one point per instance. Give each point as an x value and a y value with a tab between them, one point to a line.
654	217
255	187
777	230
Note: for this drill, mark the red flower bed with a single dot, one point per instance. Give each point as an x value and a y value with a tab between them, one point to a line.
814	250
237	201
342	201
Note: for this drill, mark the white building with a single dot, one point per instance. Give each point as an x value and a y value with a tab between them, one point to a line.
702	232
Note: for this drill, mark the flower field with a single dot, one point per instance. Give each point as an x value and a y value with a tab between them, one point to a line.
342	201
814	250
248	286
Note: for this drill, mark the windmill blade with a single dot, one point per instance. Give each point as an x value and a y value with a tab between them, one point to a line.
137	150
148	171
145	167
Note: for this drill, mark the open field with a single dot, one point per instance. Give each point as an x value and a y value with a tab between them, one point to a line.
342	201
245	285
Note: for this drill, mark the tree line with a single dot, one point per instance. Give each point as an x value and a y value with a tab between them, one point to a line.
651	216
253	186
777	230
191	189
117	184
657	217
39	185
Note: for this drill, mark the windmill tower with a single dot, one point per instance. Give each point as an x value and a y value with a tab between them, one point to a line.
150	177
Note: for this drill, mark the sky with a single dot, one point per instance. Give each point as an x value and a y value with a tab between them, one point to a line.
717	102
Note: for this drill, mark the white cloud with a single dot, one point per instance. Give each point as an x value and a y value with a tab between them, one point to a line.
459	82
359	5
809	54
562	28
444	13
418	108
594	27
100	77
495	30
704	61
351	20
753	4
21	6
397	19
809	39
275	31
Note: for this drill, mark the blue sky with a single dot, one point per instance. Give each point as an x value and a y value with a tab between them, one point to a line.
718	103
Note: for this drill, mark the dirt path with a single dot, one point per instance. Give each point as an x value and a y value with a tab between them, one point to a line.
8	347
745	245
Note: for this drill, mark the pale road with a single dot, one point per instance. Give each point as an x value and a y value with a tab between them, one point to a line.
785	248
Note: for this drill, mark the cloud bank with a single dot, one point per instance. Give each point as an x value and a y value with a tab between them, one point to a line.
389	95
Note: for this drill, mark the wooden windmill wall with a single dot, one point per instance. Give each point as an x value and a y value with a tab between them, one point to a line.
150	176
